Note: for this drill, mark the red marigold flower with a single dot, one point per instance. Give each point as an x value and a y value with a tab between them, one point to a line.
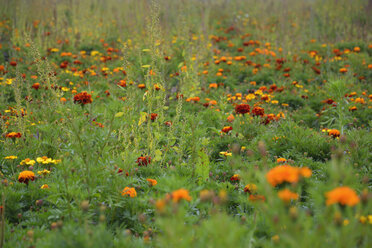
153	116
328	101
13	135
258	111
36	86
242	108
143	160
83	98
168	123
235	177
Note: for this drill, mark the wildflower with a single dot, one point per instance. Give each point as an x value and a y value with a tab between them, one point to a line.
83	98
43	172
10	157
286	195
141	86
129	192
342	195
28	161
235	177
152	182
25	176
143	160
226	129
250	188
13	135
343	70
286	173
44	186
180	194
242	108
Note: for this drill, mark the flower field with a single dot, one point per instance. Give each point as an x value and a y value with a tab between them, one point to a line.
160	123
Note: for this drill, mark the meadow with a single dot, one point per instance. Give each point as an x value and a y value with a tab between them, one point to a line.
185	123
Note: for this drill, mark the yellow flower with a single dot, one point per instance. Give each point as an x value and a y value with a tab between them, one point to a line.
11	157
43	172
226	154
28	161
44	186
44	160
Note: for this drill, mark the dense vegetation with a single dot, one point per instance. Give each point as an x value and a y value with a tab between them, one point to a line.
185	123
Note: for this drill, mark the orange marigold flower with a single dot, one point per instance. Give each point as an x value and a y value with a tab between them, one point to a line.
25	176
305	172
286	195
255	198
129	192
343	70
286	173
230	118
334	133
213	85
152	182
353	108
180	194
226	129
83	98
141	86
281	160
193	99
342	195
242	108
360	100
